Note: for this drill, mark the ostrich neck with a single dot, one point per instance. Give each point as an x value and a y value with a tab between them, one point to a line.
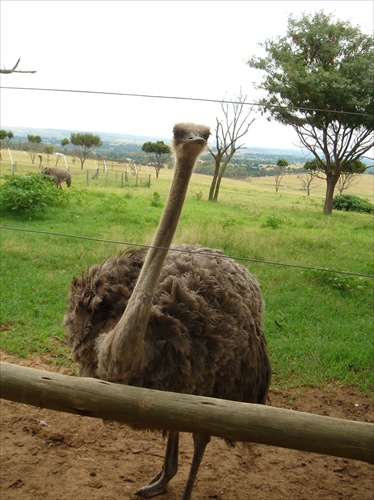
125	342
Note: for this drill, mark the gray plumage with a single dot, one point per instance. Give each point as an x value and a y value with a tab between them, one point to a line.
203	331
58	175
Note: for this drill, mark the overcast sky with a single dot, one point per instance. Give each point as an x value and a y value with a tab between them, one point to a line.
194	49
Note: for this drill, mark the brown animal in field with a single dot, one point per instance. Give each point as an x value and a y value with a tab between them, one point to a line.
179	318
58	175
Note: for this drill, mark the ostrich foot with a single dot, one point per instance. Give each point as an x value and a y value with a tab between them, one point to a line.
169	469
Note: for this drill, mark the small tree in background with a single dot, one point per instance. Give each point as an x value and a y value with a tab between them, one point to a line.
350	174
48	150
350	170
84	145
33	146
158	153
64	142
281	164
307	180
5	135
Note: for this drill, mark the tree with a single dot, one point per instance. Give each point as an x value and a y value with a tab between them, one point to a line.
33	146
349	172
14	70
48	150
84	145
279	174
158	153
5	135
307	180
64	142
318	79
234	125
349	175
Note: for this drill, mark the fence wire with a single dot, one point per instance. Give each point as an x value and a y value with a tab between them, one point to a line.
198	99
131	244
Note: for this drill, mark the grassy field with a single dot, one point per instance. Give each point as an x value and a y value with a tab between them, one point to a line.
319	324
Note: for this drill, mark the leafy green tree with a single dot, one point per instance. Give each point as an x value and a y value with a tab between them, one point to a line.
350	170
33	146
84	145
318	79
5	135
64	142
158	153
280	172
48	150
350	174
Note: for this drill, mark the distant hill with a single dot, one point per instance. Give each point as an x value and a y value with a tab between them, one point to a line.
134	143
53	135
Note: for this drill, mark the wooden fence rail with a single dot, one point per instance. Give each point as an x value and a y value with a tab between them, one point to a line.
171	411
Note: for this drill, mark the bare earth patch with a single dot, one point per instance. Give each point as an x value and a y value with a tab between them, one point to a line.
51	455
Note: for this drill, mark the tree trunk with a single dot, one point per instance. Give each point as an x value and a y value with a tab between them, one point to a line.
330	186
214	182
218	185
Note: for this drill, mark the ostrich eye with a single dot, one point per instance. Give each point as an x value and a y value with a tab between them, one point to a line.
178	134
206	136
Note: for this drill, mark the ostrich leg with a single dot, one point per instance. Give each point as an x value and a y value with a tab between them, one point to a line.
200	441
169	469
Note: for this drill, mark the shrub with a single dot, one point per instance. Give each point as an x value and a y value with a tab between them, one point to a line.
156	200
272	221
28	193
335	279
352	203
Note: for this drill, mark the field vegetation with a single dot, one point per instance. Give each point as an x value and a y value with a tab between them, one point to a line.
318	322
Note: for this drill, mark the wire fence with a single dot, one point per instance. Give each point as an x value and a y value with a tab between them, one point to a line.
132	245
118	178
198	99
121	177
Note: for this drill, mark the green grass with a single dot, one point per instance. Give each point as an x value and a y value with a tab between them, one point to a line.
318	324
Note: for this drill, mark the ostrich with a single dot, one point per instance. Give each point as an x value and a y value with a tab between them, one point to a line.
180	318
58	175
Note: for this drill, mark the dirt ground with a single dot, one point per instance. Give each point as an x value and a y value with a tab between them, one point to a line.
50	455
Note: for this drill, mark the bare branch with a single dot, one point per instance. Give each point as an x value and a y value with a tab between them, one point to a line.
13	70
229	130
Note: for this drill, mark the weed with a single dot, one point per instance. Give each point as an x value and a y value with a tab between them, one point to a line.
335	280
198	194
156	200
272	221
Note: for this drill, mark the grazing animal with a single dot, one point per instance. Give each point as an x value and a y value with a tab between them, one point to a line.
58	175
180	318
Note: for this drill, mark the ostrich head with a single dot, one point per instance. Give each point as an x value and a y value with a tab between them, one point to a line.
189	141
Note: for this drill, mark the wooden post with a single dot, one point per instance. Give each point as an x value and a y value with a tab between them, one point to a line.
170	411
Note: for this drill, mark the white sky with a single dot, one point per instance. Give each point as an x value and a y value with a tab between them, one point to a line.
169	48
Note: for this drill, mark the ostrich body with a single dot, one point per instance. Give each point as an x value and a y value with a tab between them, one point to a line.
188	320
58	175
